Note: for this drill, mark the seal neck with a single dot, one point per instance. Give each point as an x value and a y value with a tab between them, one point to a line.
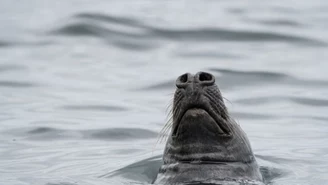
181	173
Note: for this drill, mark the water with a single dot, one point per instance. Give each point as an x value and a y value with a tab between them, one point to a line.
84	86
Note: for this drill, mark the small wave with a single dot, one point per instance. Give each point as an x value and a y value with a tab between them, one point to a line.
121	39
41	130
213	54
91	29
259	100
252	116
62	183
94	108
310	101
263	74
280	160
161	86
319	118
134	46
143	171
101	26
269	174
215	34
12	84
237	10
109	19
4	44
119	134
278	22
232	78
272	169
9	67
286	10
49	133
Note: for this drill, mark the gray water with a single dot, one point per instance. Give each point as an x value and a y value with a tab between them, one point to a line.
84	85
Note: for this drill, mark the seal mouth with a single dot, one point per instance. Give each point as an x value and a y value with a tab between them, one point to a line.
220	121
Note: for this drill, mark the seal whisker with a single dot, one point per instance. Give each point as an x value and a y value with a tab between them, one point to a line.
169	106
163	133
166	127
218	106
227	100
168	124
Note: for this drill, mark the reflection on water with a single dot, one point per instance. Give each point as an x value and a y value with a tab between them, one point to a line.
84	86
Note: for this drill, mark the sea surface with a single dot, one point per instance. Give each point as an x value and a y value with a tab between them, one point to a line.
85	85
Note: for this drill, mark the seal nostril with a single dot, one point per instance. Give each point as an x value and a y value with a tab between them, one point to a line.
205	77
184	78
182	81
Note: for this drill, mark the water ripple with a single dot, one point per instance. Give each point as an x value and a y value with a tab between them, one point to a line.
310	101
109	19
32	42
215	34
252	116
94	108
61	183
112	134
252	74
89	24
162	85
9	67
231	78
120	39
280	22
148	167
120	134
13	84
4	44
213	54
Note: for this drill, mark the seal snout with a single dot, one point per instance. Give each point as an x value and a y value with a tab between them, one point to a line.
202	78
198	98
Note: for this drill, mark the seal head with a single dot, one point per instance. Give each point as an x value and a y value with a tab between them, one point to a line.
205	145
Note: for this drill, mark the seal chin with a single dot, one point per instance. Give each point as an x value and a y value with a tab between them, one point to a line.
197	119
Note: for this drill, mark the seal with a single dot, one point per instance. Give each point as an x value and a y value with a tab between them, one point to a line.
205	145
